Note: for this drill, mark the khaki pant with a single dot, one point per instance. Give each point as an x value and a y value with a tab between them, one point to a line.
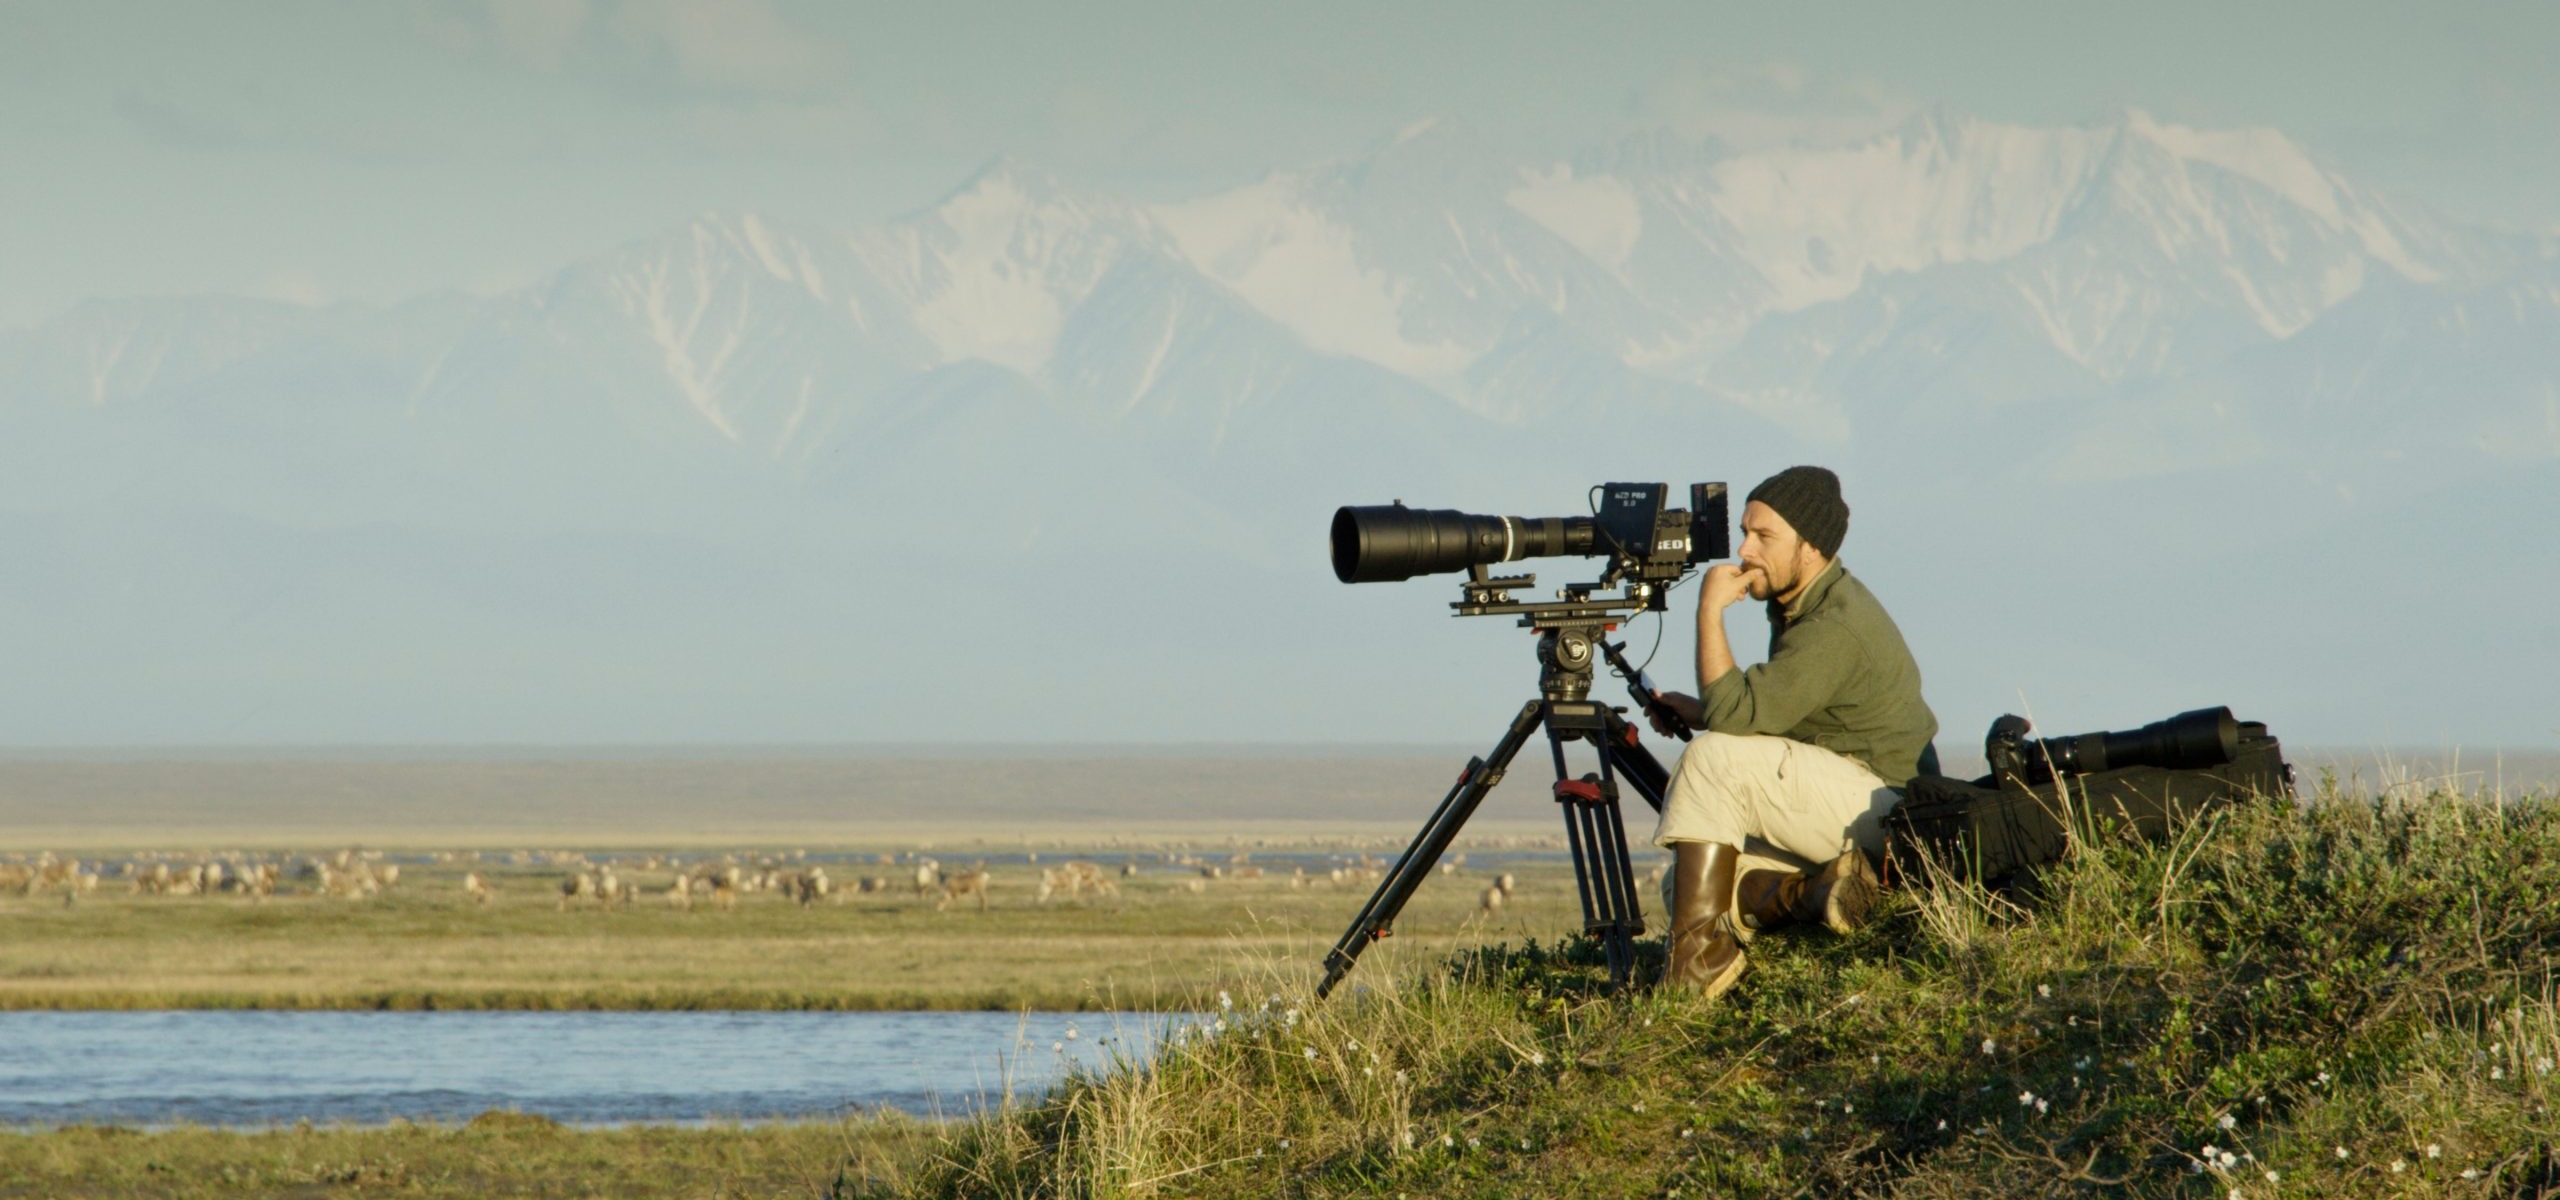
1786	805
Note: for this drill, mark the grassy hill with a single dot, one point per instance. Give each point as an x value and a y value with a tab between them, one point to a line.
2333	996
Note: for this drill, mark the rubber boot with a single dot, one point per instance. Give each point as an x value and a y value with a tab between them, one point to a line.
1767	898
1842	893
1705	957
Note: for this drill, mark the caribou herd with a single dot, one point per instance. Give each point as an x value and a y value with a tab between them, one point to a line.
717	883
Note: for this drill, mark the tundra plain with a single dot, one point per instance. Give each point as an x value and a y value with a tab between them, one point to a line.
1206	862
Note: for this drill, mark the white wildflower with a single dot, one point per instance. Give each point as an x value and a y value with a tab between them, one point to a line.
1071	1033
1847	1107
1284	1143
2042	1106
1537	1058
2398	1165
1448	1142
2026	1098
2228	1120
2045	990
2211	1151
1310	1052
1225	1001
2272	1176
2341	1151
2324	1079
1060	1047
1942	1124
1989	1046
2434	1150
1472	1143
2471	1172
2497	1072
1638	1106
2229	1160
1686	1134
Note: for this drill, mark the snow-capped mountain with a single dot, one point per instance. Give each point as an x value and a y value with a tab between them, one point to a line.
2038	322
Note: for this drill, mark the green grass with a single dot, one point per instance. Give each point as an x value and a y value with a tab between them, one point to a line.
2344	997
499	1154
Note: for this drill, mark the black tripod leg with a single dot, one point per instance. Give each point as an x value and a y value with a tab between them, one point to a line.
1577	834
1596	830
1609	846
1634	763
1377	918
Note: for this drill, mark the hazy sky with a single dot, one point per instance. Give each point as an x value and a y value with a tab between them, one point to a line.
321	151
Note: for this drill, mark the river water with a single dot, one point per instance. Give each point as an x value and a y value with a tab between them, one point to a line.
252	1069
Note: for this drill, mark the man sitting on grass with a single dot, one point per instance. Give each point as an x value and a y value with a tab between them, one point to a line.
1776	812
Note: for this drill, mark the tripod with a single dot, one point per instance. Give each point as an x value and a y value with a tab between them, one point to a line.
1569	642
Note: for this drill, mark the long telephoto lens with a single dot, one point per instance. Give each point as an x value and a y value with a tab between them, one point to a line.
2206	737
1382	543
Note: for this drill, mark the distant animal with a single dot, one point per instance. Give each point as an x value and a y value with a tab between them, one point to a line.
475	889
1075	879
1505	882
967	883
1490	903
581	886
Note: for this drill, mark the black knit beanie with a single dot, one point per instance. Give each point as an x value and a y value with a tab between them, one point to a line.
1809	499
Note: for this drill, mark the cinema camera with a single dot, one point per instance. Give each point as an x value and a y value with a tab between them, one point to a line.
1649	548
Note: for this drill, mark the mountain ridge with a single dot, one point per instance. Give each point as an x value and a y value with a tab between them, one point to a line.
2042	332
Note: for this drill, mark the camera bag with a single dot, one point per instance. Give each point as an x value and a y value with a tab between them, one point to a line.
1998	831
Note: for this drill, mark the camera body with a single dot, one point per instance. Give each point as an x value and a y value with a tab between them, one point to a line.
1652	544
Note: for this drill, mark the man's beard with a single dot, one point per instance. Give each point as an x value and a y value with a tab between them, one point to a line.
1757	584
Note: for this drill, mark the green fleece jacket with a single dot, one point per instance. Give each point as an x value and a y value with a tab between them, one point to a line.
1839	677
